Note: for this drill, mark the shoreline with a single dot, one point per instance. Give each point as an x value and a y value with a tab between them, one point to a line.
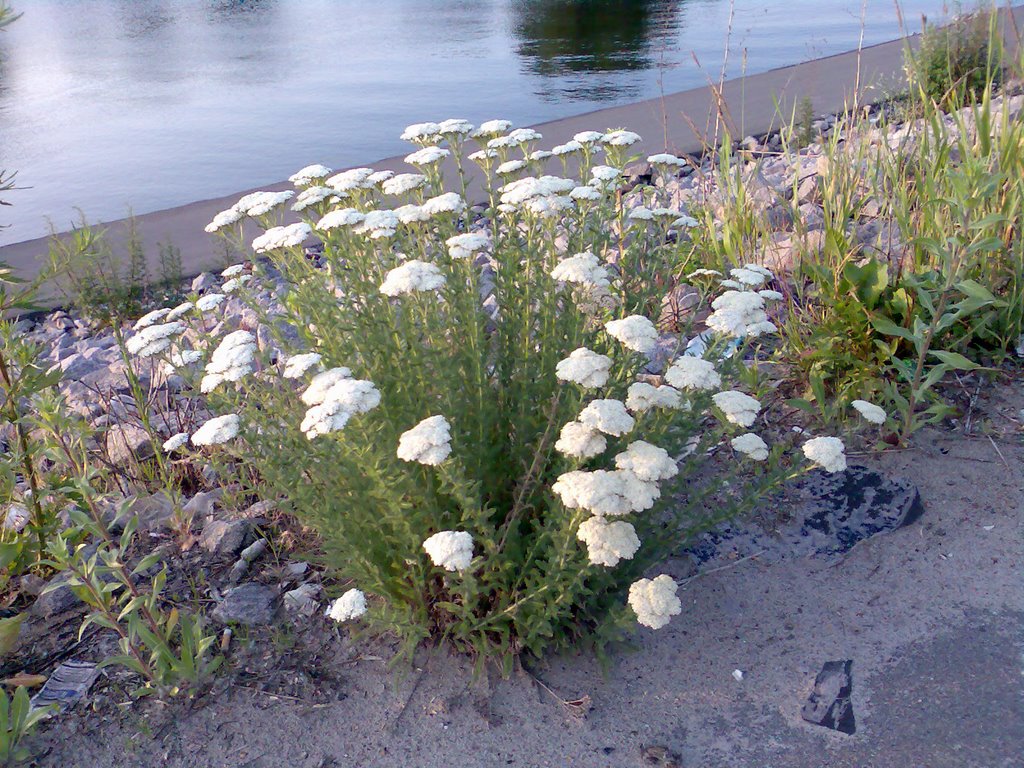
676	122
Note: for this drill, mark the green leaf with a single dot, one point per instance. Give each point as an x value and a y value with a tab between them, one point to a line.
955	360
9	629
887	327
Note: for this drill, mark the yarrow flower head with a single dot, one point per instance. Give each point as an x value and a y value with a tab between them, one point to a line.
209	301
420	133
738	408
648	462
492	127
588	137
153	339
217	430
584	367
620	138
870	411
608	416
412	276
829	453
282	237
235	283
346	182
522	190
580	441
451	550
231	361
180	311
635	332
403	183
350	605
224	219
174	442
429	442
455	126
310	197
258	203
150	318
666	160
321	384
654	601
449	202
688	372
605	492
427	156
642	397
608	542
739	313
296	365
309	174
750	445
465	245
338	404
343	217
582	269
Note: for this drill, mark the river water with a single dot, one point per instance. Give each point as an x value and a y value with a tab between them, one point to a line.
111	104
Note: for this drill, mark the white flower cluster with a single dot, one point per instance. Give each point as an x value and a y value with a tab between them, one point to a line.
282	237
582	269
608	542
332	406
174	442
464	246
648	462
740	313
738	407
209	301
750	445
605	492
427	156
608	416
347	182
584	367
378	224
231	361
412	276
296	365
580	441
642	397
520	191
429	442
153	339
829	453
688	372
620	138
654	601
403	183
350	605
451	550
312	196
636	332
870	412
341	217
219	429
150	318
310	174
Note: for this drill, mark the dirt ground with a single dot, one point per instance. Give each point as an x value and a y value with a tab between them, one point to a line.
932	616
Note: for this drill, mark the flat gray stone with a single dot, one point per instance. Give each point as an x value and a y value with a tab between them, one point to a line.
127	442
250	604
225	538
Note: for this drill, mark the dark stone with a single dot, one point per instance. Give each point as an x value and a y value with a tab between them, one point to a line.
58	599
225	538
127	442
835	512
829	704
250	604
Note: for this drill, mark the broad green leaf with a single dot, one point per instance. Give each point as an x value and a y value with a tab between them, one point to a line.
955	360
9	629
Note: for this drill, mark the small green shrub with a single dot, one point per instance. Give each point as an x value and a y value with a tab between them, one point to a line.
955	62
17	722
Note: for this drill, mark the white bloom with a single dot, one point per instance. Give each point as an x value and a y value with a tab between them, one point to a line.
413	275
282	237
180	359
521	190
323	419
664	213
483	154
567	149
608	542
829	453
580	441
609	416
296	365
429	442
349	606
235	283
605	173
174	442
738	407
604	492
689	372
223	219
379	177
320	384
641	397
427	156
510	166
751	445
231	361
585	193
151	317
705	273
648	462
492	127
378	224
582	269
153	339
620	138
449	202
666	160
588	137
403	183
465	245
209	301
654	601
687	222
749	277
640	214
760	270
635	332
311	196
455	126
584	367
343	217
420	132
353	395
338	403
233	271
259	203
451	550
180	311
309	174
541	154
769	295
523	135
735	284
411	214
870	411
217	430
551	205
738	313
355	178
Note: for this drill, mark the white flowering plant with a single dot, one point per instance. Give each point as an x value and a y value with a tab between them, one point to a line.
471	406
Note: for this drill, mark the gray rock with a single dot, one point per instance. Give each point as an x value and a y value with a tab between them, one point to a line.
154	512
829	704
301	601
58	598
128	442
225	538
204	282
201	505
77	365
250	604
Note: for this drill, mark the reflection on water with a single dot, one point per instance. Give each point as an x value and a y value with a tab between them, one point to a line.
106	104
575	43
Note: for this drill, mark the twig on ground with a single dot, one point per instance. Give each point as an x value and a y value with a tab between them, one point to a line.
725	567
